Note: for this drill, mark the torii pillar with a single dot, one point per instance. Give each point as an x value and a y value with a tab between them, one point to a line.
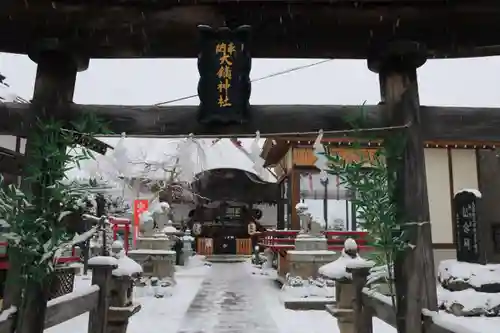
397	63
54	89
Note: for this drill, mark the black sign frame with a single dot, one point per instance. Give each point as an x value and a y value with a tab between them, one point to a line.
467	228
224	65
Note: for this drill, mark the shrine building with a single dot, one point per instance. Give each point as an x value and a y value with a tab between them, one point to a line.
225	194
450	167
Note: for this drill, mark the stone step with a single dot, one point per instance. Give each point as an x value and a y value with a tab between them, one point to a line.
227	258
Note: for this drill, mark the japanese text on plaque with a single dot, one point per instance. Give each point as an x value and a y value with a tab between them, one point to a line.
469	226
224	73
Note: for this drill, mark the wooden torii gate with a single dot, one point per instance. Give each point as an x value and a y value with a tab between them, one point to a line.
396	37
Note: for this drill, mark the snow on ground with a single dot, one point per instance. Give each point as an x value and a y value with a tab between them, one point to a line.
158	315
311	321
467	289
239	295
452	272
467	324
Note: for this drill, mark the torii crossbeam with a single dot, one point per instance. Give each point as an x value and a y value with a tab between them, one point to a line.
440	123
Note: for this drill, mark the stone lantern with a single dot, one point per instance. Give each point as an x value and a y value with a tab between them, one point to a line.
169	230
187	247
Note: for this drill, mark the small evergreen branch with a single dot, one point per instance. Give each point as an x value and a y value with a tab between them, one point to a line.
373	187
37	214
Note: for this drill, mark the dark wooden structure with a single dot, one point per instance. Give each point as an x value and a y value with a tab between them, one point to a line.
224	208
234	185
395	36
149	29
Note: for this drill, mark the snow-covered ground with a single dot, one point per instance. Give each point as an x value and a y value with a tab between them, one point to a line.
238	298
170	314
158	315
467	324
293	321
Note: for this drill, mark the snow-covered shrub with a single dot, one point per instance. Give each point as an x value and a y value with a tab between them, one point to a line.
153	287
296	287
468	289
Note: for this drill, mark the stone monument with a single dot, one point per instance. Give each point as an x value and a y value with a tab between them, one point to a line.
153	250
311	250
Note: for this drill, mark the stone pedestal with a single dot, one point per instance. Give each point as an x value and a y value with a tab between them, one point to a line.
155	242
155	263
309	255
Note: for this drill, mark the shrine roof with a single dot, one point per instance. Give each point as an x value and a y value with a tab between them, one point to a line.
281	29
161	153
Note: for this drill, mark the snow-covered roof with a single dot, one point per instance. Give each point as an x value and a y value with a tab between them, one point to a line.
206	155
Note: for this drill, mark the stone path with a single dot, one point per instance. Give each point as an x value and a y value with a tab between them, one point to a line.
229	301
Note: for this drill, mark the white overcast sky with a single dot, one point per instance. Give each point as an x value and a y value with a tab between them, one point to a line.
466	82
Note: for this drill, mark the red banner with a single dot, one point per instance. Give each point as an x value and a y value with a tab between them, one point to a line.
140	206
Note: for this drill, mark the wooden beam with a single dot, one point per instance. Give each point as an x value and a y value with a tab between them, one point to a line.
10	161
281	29
438	123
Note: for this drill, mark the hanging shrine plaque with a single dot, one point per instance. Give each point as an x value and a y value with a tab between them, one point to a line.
467	228
224	65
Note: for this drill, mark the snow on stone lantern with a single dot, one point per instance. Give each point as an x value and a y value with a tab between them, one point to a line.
170	230
187	246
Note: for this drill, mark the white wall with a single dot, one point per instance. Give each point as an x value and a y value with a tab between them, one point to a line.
269	215
464	169
9	142
438	189
464	175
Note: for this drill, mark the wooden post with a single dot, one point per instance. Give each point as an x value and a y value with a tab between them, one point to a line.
295	197
396	64
101	276
488	208
54	87
354	217
101	205
363	322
